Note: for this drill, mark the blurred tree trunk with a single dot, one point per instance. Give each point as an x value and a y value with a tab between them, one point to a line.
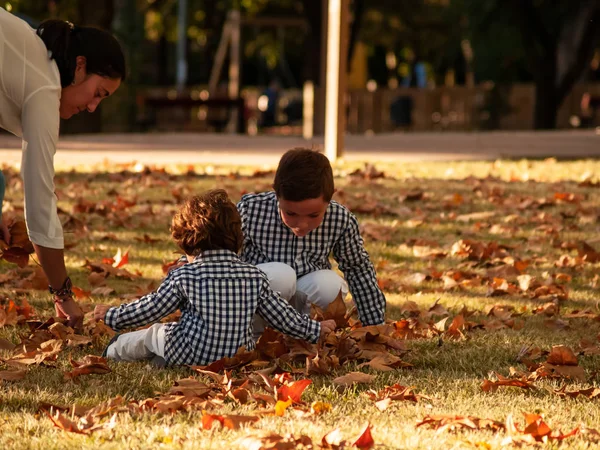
314	16
312	44
556	59
98	13
358	11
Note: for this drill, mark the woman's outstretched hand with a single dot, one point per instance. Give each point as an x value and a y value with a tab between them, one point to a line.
69	309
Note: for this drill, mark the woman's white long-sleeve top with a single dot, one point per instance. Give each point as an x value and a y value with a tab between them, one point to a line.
29	108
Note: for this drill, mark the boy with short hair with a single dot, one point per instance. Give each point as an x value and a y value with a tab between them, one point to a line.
290	233
217	293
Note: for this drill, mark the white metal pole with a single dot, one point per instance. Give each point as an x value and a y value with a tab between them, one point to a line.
332	90
337	35
308	109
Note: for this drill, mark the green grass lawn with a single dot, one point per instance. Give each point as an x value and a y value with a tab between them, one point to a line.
530	215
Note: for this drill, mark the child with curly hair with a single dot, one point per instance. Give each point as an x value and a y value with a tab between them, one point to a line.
217	294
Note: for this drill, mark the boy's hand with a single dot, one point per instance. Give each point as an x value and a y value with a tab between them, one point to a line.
100	311
327	326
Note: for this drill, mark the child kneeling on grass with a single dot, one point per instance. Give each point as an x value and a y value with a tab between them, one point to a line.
290	233
217	293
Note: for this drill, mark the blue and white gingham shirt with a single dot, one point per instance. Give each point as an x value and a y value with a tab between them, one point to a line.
268	239
218	295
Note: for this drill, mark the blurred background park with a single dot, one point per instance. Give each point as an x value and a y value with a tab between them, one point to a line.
257	66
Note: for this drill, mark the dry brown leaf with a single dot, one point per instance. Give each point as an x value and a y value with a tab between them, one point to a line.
588	253
591	393
562	355
190	387
12	375
454	422
571	372
6	345
231	421
90	364
492	386
354	378
272	441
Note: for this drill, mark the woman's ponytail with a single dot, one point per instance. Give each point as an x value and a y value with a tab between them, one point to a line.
65	42
56	34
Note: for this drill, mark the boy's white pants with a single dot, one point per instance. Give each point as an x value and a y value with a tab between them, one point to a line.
320	287
139	345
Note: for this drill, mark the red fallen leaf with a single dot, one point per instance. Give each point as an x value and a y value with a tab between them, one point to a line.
233	422
365	439
293	390
536	430
25	309
567	197
80	293
120	260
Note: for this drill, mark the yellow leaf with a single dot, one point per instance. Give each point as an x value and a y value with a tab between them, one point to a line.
281	406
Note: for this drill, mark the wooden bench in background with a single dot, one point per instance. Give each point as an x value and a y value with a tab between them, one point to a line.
183	112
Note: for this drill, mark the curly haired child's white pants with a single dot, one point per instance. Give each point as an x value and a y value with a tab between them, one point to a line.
139	345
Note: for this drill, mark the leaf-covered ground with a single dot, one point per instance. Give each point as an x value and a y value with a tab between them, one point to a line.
493	334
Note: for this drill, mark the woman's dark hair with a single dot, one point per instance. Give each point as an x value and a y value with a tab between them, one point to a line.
65	42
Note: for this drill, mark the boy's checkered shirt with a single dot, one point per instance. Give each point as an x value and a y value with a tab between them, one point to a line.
218	295
268	239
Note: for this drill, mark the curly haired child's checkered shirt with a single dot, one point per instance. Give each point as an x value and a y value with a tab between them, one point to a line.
218	295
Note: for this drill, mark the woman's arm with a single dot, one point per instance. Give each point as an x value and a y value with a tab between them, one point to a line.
40	122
